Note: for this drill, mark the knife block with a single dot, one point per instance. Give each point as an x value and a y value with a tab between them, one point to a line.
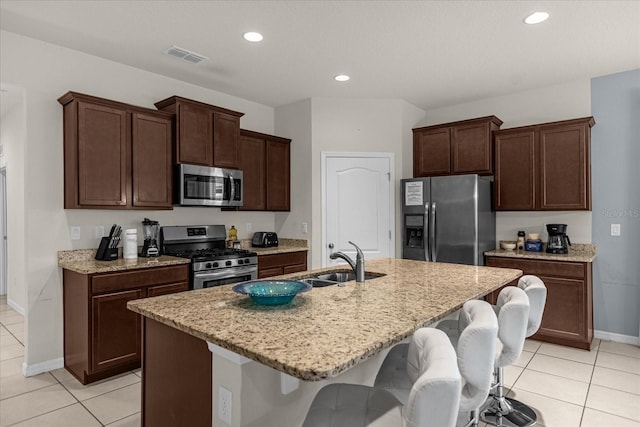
105	253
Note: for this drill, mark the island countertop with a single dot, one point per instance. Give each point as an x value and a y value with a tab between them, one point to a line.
325	331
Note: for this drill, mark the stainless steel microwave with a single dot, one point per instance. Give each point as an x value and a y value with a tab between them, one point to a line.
207	186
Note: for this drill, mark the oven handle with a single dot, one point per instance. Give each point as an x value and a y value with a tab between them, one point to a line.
226	272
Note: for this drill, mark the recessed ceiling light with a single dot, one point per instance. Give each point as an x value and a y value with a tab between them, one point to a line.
536	18
252	36
342	77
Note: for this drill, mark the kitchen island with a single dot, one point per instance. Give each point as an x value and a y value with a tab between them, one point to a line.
318	336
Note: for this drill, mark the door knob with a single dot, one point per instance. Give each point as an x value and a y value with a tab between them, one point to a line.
330	245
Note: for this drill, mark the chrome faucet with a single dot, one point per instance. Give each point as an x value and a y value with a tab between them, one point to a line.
358	266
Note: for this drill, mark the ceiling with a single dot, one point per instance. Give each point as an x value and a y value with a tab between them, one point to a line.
429	53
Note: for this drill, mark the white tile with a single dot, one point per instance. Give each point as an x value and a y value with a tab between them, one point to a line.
11	367
4	306
561	367
15	328
62	375
137	372
593	418
532	345
551	412
569	353
614	402
134	420
3	331
18	384
617	380
11	351
116	405
620	348
524	359
8	339
70	416
84	392
34	403
511	374
10	317
552	386
620	363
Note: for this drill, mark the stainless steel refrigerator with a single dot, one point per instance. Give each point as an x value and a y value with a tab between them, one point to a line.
448	219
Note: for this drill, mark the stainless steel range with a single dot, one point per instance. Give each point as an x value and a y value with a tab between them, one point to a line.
212	264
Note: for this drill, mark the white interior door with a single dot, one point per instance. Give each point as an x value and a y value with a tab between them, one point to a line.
357	205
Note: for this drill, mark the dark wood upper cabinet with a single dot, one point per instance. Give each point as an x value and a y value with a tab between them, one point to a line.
455	148
151	160
265	162
116	155
205	134
544	167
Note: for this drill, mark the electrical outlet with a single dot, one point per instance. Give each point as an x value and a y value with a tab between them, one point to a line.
225	400
249	227
615	229
99	231
75	233
305	228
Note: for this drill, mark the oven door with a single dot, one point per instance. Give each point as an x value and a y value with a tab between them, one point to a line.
224	276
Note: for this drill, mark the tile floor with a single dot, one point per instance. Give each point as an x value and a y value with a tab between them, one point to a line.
566	387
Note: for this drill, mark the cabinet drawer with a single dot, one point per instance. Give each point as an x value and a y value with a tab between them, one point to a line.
135	279
541	268
295	268
270	272
279	260
171	288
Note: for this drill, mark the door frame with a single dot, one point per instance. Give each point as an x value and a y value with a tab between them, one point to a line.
3	230
324	156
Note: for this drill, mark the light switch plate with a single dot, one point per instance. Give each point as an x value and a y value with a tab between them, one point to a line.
305	228
225	399
75	233
99	231
249	227
615	229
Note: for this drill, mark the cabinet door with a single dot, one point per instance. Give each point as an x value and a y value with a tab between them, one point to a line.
171	288
103	144
195	135
270	272
252	162
431	152
515	172
278	182
115	331
564	168
226	131
564	309
471	149
151	161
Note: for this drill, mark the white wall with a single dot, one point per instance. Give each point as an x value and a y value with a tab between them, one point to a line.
13	138
46	72
356	125
565	101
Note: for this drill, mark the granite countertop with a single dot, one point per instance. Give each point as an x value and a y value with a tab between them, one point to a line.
284	246
82	261
325	331
578	252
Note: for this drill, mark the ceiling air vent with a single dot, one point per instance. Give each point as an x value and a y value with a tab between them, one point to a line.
185	54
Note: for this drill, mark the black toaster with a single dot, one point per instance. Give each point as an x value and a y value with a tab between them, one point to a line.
264	239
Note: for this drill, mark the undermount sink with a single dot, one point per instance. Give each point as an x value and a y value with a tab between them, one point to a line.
328	279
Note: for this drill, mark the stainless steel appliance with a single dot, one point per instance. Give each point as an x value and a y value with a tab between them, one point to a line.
448	219
150	230
207	186
211	263
558	240
264	239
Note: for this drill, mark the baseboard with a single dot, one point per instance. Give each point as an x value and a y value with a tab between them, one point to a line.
39	368
610	336
11	303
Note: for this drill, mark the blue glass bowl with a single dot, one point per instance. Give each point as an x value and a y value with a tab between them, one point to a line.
272	292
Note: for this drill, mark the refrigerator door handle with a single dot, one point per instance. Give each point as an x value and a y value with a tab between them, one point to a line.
426	233
434	234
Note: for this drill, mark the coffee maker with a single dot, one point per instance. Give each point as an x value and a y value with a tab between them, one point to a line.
558	240
150	230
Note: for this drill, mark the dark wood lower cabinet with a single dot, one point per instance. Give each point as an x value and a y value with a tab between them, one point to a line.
568	312
277	264
102	337
176	378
